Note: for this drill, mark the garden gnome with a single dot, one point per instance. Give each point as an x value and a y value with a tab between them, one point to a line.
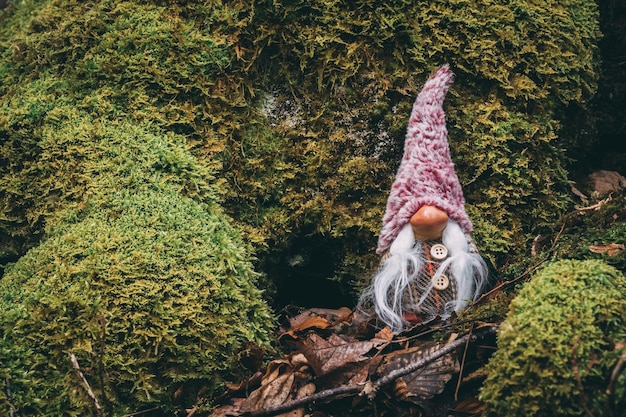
430	266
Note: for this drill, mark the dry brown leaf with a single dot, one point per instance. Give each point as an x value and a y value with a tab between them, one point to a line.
611	249
470	407
384	334
232	409
332	315
280	383
329	314
326	356
274	393
425	382
312	322
304	391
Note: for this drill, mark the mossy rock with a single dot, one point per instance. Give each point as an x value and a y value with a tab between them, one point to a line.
152	292
139	272
337	80
559	344
304	105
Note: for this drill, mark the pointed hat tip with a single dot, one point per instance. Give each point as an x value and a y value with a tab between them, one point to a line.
435	88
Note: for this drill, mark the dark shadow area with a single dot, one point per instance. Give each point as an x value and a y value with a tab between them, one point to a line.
607	110
303	274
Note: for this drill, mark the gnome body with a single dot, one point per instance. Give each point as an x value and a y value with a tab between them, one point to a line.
430	267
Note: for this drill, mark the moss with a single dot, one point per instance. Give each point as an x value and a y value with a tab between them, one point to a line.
304	104
559	344
342	77
136	61
596	229
143	279
151	292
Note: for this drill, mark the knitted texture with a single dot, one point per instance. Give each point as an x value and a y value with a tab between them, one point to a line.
426	174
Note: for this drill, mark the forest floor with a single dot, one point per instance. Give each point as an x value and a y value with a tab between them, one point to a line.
340	362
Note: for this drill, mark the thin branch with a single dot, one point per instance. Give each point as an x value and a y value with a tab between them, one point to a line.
10	397
458	383
598	205
579	382
100	359
369	389
322	396
529	271
422	363
76	366
136	413
617	370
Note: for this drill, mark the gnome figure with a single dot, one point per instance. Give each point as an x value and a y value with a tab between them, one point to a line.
430	266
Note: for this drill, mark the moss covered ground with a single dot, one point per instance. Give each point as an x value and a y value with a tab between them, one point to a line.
190	152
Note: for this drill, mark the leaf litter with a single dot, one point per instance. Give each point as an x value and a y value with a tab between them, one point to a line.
338	362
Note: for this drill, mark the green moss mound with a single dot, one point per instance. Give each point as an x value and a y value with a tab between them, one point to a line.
130	60
559	345
127	259
143	280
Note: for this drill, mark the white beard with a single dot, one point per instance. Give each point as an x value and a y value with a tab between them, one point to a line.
392	289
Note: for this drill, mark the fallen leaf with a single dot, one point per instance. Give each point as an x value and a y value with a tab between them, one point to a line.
282	382
274	393
329	314
326	356
426	382
385	334
308	323
470	407
229	410
304	391
611	249
333	315
244	386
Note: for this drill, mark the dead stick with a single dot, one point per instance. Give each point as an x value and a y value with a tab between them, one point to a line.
136	413
10	397
617	370
367	389
529	271
422	363
581	389
85	383
321	396
459	380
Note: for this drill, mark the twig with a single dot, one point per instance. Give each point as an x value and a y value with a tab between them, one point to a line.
136	413
395	374
101	342
598	205
458	384
533	248
511	282
321	396
579	382
85	384
617	370
529	271
10	397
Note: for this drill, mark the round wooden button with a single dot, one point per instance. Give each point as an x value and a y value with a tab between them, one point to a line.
441	282
438	251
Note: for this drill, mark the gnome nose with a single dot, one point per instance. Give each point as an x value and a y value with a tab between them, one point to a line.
428	223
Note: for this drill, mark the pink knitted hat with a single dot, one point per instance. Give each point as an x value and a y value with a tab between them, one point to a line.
426	174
